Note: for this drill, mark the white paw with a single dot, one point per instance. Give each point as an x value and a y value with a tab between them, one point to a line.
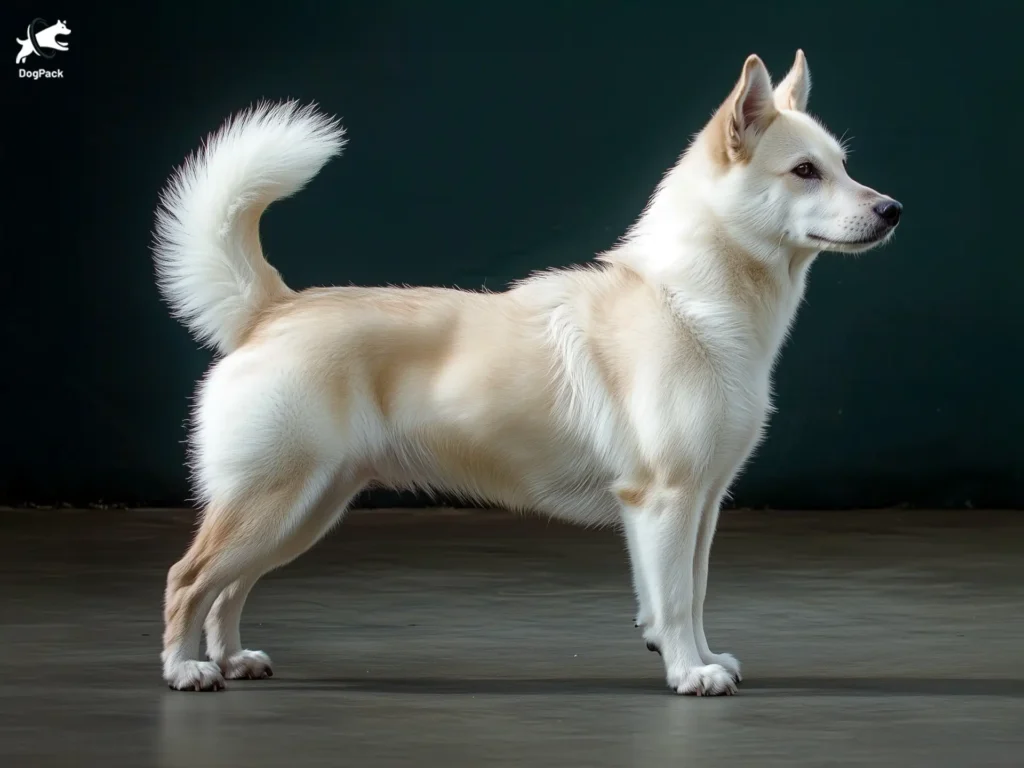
709	680
247	665
193	676
727	660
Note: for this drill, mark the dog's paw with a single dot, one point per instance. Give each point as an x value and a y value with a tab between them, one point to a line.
729	662
247	665
708	680
194	676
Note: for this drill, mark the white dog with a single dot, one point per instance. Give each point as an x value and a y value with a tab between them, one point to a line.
627	392
47	38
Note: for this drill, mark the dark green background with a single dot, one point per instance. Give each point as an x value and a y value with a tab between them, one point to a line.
490	140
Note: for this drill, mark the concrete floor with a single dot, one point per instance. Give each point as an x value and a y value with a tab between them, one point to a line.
451	638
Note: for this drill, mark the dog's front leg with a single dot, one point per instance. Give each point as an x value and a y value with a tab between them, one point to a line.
701	563
643	602
662	528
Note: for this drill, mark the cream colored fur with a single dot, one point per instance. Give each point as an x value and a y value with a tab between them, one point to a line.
629	392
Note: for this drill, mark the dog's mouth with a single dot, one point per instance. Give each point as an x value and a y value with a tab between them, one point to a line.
853	245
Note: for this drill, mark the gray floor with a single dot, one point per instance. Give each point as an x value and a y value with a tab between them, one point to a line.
451	638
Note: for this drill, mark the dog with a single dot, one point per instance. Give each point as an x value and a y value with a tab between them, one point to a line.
46	38
629	391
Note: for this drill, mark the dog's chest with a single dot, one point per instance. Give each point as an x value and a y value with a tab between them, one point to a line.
745	417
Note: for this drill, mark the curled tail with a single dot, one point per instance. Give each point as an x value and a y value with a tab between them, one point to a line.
209	262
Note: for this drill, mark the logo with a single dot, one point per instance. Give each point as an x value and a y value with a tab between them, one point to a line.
41	40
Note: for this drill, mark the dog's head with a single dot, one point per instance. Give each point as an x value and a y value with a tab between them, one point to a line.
782	176
60	28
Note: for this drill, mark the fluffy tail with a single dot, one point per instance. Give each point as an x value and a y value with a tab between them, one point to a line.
209	262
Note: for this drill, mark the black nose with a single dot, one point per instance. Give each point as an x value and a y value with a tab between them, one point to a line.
889	211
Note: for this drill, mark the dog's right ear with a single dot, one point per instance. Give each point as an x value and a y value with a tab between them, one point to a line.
751	109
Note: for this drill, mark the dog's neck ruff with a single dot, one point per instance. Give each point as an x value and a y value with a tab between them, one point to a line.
750	288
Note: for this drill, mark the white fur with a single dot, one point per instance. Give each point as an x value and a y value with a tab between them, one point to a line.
630	393
205	267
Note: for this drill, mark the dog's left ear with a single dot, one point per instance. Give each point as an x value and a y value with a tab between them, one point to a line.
795	89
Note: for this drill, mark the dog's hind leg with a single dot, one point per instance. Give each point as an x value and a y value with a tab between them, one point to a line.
223	636
242	534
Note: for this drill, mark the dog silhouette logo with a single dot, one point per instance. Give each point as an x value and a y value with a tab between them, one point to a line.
42	40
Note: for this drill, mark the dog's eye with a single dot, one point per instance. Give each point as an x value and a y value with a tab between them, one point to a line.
806	171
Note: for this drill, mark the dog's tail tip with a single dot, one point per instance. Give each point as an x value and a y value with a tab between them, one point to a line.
210	267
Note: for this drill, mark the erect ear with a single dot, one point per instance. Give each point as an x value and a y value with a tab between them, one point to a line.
795	88
751	110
